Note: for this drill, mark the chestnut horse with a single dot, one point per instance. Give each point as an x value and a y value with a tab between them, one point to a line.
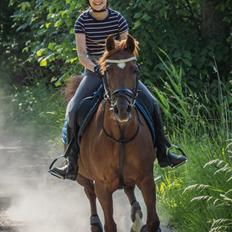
116	149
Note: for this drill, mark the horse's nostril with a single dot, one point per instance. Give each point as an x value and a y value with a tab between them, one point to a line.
129	108
115	109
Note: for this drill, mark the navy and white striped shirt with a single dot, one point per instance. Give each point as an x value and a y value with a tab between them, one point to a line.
97	31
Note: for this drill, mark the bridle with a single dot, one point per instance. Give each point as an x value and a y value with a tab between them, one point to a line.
129	95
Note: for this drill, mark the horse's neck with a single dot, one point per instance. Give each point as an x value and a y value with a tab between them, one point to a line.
113	127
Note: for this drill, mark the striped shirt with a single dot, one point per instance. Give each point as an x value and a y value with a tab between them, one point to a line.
97	31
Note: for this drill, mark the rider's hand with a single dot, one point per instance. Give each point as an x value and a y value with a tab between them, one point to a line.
97	70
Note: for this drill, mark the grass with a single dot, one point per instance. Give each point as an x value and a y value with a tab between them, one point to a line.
188	193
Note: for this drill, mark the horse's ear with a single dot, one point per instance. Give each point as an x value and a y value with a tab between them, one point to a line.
110	43
130	43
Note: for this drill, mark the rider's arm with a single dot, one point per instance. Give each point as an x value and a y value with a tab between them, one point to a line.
82	52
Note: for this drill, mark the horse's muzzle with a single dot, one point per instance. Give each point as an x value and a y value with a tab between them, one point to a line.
122	110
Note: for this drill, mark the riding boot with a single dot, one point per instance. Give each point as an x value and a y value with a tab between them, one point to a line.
164	155
69	170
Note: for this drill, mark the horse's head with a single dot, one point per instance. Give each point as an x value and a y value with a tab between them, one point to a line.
120	76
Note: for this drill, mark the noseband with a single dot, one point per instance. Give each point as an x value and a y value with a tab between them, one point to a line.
128	94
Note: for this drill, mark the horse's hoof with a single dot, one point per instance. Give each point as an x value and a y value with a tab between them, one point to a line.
135	208
144	229
96	229
96	225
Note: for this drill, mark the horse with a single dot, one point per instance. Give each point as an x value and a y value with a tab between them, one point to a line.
116	149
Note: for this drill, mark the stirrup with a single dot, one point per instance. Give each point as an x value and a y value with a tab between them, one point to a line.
182	153
52	170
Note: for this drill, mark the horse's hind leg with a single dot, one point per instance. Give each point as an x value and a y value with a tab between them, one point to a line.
136	212
147	186
88	185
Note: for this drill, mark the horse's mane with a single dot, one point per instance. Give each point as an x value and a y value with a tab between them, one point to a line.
119	46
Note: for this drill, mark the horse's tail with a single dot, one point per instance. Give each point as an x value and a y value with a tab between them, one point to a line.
71	86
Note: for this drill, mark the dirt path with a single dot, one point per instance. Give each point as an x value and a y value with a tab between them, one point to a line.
33	201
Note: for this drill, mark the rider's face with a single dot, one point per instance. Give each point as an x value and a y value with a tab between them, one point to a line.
98	4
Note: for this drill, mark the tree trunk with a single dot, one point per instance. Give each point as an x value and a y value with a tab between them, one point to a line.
212	25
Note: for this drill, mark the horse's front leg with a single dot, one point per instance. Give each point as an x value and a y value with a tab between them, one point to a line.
106	201
135	206
95	222
136	212
147	186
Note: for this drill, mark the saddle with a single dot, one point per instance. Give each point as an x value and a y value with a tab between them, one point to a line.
89	106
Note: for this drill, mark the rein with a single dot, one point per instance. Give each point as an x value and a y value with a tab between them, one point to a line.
130	96
122	142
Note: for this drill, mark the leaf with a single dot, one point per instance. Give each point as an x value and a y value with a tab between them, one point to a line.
52	112
43	63
58	83
73	60
24	6
40	52
47	25
58	23
136	25
51	46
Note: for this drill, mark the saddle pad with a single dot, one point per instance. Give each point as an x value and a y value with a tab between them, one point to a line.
88	107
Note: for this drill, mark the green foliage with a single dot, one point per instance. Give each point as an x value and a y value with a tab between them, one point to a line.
197	197
185	108
40	107
48	29
176	27
202	133
218	196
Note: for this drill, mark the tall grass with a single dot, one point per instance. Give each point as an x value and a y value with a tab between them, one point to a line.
197	196
217	193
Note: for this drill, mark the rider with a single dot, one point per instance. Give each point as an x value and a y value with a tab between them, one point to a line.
92	27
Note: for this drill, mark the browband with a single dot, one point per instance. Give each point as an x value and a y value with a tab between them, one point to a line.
121	60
